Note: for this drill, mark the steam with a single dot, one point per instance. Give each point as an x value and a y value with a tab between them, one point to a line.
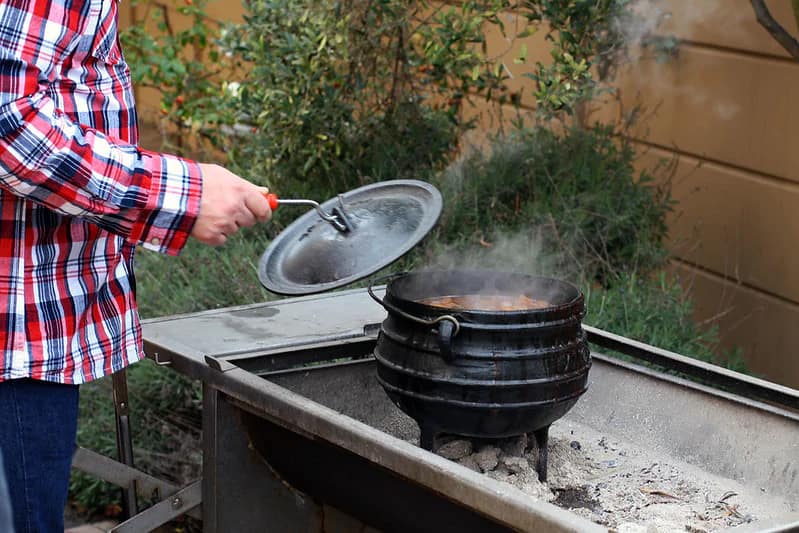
650	17
647	17
531	251
653	18
524	252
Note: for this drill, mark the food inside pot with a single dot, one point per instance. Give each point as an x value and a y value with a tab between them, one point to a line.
486	302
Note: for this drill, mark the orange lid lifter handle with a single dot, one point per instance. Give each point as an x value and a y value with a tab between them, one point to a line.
272	199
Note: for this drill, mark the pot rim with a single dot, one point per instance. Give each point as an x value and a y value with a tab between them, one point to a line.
555	315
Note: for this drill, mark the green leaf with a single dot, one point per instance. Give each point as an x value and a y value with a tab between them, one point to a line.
322	44
522	55
475	72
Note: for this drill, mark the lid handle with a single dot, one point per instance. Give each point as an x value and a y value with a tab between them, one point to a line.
338	219
272	199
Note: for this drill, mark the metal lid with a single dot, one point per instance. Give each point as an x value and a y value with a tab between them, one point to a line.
387	219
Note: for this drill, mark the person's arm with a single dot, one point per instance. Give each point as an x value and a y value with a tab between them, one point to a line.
146	197
150	198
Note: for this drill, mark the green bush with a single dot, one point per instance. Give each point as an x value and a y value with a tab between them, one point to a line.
301	94
174	54
656	310
335	94
577	193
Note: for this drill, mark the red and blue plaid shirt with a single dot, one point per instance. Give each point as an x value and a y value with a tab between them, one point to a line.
76	194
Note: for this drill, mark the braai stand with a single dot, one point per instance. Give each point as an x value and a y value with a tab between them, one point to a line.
276	460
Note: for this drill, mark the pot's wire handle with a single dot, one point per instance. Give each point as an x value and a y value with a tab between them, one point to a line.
446	332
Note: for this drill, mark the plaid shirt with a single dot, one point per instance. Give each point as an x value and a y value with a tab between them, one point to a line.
76	194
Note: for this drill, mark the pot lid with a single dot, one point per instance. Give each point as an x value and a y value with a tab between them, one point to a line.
385	221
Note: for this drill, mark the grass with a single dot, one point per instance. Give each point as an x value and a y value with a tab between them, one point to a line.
166	429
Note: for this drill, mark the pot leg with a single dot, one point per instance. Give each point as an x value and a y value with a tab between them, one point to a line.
427	439
541	441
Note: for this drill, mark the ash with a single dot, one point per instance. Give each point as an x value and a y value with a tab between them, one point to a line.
617	484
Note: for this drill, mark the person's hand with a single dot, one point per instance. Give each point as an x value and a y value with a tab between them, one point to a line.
228	203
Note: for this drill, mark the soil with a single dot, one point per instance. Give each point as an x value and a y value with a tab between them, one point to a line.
617	484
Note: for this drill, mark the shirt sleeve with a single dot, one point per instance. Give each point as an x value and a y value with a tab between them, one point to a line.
45	157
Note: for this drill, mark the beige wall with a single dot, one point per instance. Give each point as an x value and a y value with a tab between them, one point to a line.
727	106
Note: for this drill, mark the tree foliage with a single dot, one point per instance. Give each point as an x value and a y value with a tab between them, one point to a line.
316	92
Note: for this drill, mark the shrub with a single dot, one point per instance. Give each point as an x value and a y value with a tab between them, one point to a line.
657	311
336	94
173	53
577	191
311	91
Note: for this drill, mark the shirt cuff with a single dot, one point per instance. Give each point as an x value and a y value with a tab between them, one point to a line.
173	204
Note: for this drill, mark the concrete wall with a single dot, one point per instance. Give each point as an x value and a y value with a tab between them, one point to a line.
727	106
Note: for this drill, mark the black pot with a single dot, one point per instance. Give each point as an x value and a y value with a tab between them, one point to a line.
485	374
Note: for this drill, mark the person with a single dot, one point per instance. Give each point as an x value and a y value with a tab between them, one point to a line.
77	195
5	503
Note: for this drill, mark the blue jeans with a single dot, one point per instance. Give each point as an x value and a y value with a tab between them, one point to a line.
5	501
38	425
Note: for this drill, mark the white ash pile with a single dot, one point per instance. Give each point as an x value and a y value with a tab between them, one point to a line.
618	485
510	460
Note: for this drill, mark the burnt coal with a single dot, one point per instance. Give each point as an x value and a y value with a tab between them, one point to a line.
576	497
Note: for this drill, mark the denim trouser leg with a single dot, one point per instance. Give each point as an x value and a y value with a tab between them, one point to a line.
5	501
38	423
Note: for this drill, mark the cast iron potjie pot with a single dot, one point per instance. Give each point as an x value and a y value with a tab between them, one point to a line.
483	374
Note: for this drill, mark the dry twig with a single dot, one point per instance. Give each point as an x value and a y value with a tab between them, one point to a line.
727	495
658	492
780	34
